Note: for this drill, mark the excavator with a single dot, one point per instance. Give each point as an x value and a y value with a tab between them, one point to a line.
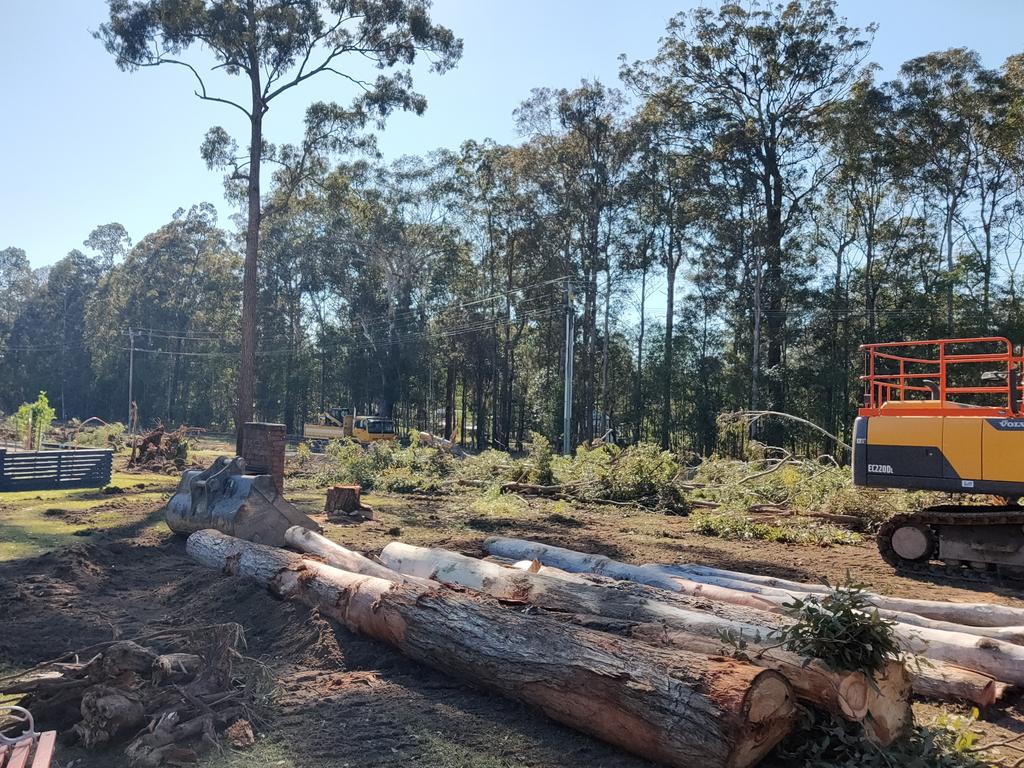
945	415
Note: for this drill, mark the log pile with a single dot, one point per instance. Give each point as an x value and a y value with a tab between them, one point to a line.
634	655
164	696
676	707
966	653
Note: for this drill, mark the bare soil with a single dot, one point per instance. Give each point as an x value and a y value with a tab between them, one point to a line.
342	700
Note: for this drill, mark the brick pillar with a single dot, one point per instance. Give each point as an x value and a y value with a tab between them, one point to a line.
263	450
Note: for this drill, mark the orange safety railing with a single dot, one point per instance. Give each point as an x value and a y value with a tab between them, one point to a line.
936	378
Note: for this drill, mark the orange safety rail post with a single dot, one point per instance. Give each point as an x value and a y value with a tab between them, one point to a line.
880	388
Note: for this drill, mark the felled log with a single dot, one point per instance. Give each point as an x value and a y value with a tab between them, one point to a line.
929	678
847	694
675	707
968	614
883	703
332	553
939	680
435	441
996	658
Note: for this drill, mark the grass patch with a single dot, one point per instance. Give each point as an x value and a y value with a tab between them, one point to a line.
736	526
32	522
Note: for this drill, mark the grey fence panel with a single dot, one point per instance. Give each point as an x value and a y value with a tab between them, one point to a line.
48	470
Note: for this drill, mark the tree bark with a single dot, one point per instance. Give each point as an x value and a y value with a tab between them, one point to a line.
250	273
670	310
694	625
1001	660
678	708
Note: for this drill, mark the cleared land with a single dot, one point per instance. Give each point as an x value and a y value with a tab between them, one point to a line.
79	567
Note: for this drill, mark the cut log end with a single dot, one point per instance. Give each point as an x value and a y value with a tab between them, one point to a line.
770	697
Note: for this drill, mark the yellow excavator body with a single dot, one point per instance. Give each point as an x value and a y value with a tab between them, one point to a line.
946	415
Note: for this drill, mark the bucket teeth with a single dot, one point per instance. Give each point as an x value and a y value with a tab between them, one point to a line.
223	497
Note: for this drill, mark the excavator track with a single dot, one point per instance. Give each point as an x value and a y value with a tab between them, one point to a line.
925	529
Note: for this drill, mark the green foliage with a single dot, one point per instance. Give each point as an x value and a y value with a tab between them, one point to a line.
541	459
34	418
491	466
825	742
493	503
842	629
303	454
737	526
349	464
385	465
641	471
815	486
103	436
404	480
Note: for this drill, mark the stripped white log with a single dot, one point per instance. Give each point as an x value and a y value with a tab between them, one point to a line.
999	659
335	554
968	614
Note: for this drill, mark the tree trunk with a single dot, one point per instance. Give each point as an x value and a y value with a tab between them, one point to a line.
929	678
250	274
1001	660
639	407
935	680
701	624
338	556
675	707
670	309
967	615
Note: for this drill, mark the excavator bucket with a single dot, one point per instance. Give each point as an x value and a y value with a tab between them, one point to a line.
224	497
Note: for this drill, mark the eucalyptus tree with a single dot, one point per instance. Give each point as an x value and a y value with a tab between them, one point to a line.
760	76
275	46
582	132
178	288
939	106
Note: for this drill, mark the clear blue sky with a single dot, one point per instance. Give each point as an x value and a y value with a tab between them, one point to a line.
85	144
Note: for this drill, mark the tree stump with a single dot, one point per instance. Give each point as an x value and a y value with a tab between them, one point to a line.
343	500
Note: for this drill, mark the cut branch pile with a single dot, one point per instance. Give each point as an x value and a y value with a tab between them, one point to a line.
166	704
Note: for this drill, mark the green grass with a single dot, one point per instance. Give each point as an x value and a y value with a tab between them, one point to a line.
263	754
32	522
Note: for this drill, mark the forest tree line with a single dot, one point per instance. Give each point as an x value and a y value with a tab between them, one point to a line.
731	220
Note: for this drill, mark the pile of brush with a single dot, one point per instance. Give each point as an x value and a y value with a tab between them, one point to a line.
164	695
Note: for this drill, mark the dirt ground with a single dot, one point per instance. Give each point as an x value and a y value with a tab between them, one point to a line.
105	566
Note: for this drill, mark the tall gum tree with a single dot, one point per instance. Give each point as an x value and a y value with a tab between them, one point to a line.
276	46
759	76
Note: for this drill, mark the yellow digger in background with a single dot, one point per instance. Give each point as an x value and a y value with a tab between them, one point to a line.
336	423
